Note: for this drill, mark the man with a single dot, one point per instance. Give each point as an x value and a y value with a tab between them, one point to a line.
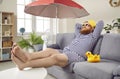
86	36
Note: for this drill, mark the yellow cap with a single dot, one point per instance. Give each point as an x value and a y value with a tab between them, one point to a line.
92	23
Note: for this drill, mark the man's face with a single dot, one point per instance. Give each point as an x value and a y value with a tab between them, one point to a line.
86	28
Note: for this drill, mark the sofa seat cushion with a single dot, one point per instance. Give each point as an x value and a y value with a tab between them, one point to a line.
60	73
101	70
110	47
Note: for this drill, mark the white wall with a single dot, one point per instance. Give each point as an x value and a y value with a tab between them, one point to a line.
98	9
8	5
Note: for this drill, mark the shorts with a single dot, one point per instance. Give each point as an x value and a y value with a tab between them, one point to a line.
72	56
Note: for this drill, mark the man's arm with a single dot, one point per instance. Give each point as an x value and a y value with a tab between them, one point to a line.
98	28
77	28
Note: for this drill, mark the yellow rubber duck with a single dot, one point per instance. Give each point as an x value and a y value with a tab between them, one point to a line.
92	58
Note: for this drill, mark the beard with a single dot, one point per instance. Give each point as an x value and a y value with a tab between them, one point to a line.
85	31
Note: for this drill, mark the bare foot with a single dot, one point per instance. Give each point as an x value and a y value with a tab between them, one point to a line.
20	54
17	62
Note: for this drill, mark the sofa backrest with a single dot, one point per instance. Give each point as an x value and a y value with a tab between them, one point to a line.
63	39
110	47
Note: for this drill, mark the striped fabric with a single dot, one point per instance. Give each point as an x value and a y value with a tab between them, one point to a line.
82	43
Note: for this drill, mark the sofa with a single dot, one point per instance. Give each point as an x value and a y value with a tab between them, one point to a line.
108	46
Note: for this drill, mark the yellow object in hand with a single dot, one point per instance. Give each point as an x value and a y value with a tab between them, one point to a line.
91	57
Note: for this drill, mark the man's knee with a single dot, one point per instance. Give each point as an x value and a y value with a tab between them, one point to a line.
60	59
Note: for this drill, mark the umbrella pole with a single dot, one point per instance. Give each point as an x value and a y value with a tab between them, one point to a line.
56	26
56	19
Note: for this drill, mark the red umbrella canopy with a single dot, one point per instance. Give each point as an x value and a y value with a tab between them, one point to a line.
56	9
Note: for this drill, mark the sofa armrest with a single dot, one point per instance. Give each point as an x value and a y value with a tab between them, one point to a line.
55	46
116	71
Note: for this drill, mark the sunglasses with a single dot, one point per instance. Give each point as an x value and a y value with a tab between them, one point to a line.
86	25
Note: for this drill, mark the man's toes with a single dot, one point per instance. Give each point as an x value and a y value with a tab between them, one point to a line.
11	51
12	58
16	49
14	44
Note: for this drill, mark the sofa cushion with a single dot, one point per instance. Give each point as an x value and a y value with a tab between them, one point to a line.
110	47
101	70
64	39
60	73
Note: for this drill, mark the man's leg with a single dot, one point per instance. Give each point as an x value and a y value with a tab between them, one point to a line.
55	59
42	54
25	56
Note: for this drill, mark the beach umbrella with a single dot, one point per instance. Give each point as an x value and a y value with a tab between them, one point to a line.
56	9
